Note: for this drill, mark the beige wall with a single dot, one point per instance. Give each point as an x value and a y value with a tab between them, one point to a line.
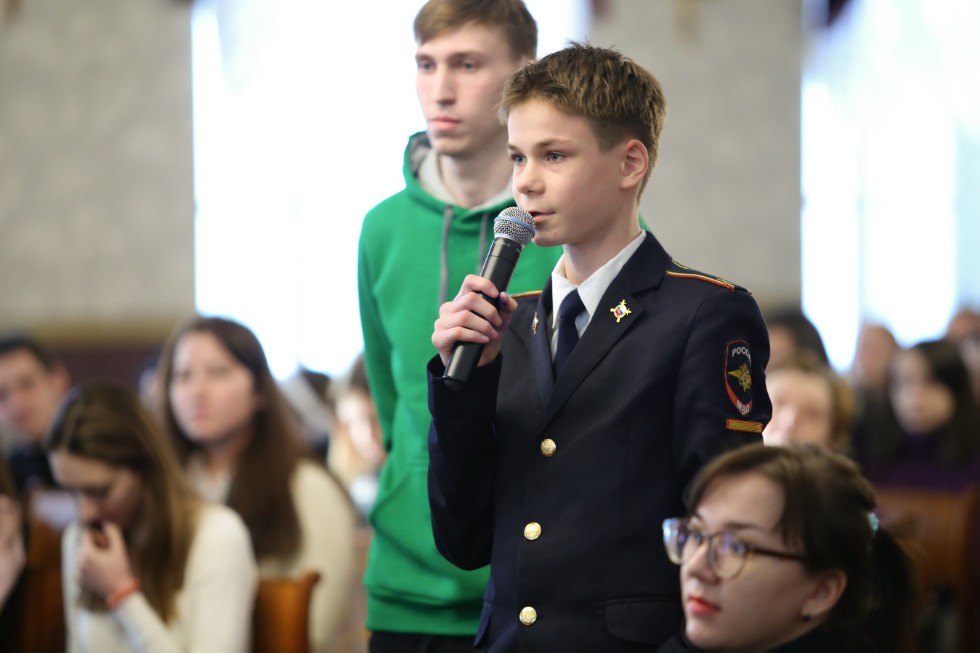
96	198
725	195
96	202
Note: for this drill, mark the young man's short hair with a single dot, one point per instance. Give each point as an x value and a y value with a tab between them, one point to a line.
22	342
438	16
618	97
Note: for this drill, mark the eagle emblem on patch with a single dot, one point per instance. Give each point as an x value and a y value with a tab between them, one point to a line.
738	375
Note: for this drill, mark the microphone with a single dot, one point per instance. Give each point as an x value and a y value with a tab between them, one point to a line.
512	230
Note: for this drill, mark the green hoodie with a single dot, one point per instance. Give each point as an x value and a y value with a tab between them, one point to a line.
413	253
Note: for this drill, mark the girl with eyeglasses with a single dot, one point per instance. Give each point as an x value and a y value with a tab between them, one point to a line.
147	566
781	551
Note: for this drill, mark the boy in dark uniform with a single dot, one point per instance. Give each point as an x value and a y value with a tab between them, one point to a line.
558	468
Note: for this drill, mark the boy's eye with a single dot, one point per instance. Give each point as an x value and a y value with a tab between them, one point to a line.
554	156
517	158
425	66
468	65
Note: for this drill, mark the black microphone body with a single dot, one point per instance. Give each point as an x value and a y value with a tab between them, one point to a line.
513	229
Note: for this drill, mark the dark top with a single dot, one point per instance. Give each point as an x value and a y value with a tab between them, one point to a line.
29	466
817	640
562	484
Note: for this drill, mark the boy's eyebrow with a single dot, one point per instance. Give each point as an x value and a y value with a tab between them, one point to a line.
549	142
462	54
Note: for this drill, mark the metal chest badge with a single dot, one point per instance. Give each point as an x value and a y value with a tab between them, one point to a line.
620	311
534	324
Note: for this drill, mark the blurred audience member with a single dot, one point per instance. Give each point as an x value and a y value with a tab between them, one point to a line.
791	331
13	557
811	404
32	383
962	325
237	441
781	551
964	331
148	384
357	453
932	437
148	566
876	346
306	393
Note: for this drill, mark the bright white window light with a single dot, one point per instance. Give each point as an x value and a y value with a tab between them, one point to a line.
884	100
302	109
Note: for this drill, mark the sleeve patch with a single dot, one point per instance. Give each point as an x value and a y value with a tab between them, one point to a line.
738	375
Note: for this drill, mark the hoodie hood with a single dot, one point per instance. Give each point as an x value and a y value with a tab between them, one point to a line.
418	156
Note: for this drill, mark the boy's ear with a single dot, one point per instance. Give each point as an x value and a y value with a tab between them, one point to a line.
635	162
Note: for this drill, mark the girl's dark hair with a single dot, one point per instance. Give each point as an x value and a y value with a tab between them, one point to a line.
827	516
105	422
260	489
960	437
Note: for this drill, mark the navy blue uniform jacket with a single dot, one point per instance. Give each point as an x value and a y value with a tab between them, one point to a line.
562	486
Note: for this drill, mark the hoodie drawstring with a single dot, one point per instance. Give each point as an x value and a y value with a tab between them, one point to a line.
447	221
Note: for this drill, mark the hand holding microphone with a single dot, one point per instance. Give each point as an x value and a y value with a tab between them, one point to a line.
472	321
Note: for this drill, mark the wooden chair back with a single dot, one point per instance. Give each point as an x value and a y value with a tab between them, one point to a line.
281	621
938	530
42	625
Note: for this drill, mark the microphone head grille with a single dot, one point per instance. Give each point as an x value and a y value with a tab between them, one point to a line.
514	223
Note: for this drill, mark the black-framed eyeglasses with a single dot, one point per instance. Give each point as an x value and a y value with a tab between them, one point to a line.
727	552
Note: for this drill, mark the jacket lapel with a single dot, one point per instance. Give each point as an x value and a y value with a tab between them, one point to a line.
541	345
619	311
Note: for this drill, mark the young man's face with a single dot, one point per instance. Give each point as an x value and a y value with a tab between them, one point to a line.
562	178
29	393
460	78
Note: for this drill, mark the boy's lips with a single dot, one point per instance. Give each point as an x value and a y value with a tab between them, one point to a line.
443	123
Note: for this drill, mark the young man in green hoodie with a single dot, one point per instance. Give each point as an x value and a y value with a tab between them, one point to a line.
415	249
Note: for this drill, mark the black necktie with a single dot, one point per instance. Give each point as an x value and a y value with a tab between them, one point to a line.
571	306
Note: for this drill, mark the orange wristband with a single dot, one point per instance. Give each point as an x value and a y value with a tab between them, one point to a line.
117	597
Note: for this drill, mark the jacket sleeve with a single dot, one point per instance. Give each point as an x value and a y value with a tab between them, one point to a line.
462	464
721	400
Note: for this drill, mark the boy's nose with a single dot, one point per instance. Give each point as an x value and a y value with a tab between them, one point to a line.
444	86
526	180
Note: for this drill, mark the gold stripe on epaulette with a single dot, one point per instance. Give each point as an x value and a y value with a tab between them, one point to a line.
741	425
702	277
529	293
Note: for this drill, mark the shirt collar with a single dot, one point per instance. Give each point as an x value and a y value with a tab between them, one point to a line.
593	288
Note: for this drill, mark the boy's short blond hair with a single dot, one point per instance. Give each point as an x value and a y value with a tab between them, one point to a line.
618	97
511	16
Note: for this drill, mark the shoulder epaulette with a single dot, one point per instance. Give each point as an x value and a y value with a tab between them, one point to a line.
530	293
683	272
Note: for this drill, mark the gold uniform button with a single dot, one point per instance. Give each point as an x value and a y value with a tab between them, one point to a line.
528	616
532	531
548	447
